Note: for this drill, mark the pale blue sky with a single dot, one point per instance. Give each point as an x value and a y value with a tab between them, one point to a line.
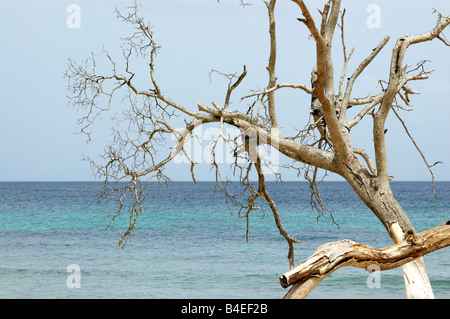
37	128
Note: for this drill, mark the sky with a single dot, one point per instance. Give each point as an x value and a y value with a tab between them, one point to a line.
38	129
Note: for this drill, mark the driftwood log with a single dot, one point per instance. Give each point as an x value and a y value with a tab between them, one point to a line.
332	256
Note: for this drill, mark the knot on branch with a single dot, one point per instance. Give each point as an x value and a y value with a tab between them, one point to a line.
411	239
332	256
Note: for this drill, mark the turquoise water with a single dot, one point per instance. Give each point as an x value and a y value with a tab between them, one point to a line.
190	245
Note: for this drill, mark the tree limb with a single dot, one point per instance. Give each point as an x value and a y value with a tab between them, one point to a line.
278	86
375	101
324	86
397	79
332	256
360	69
272	61
262	189
346	57
300	152
367	159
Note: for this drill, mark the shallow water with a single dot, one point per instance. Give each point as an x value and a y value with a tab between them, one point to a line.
189	245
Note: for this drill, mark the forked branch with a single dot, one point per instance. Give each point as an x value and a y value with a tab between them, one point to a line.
263	191
397	79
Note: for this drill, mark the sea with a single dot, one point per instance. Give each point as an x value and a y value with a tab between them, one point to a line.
189	244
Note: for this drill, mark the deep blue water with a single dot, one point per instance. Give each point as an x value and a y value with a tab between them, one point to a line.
190	245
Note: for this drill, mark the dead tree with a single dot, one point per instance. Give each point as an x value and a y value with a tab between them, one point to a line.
136	153
332	256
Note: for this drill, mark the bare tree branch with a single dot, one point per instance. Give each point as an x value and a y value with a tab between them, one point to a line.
332	256
361	152
279	86
272	61
359	70
262	189
324	85
346	57
418	149
396	82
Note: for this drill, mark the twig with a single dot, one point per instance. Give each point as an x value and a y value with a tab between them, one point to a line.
418	149
263	190
278	86
272	61
366	157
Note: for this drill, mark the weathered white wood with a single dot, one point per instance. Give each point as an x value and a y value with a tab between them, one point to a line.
407	253
417	284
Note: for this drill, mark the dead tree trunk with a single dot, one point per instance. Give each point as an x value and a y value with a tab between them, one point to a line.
378	196
372	185
332	256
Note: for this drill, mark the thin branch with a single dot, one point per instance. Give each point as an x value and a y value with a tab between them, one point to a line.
367	159
262	189
279	86
397	79
375	101
360	69
272	62
316	201
303	153
324	15
309	22
233	86
363	100
242	3
418	149
346	58
330	28
324	86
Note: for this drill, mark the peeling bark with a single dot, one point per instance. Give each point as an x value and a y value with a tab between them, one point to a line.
332	256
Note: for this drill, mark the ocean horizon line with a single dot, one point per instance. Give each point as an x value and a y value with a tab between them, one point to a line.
209	181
